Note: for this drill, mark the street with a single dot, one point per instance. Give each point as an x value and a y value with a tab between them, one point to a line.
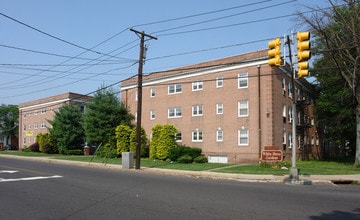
38	190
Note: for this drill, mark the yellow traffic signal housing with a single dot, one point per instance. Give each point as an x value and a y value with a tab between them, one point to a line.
304	54
274	52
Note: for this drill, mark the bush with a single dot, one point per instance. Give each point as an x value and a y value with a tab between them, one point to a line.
179	151
50	149
185	159
34	147
200	159
73	152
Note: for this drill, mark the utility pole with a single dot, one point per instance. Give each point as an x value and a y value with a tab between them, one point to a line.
142	36
293	170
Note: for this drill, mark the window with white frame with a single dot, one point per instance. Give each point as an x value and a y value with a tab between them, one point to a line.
36	126
284	137
136	117
289	90
178	137
174	112
43	110
152	114
290	139
136	95
243	137
197	110
36	112
243	108
219	108
197	136
219	135
152	92
174	88
43	124
283	86
242	80
219	82
290	115
197	85
284	113
24	127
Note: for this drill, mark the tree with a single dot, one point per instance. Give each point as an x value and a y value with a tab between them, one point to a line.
102	115
122	133
67	129
9	115
163	140
337	36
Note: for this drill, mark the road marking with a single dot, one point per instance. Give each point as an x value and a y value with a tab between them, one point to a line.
8	171
30	178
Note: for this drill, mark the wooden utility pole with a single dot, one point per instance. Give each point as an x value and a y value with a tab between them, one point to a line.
142	36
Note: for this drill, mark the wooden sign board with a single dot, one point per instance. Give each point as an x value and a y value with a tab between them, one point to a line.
272	154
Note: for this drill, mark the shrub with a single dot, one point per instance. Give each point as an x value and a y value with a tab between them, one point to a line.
185	159
50	149
200	159
179	151
73	152
34	147
26	149
195	152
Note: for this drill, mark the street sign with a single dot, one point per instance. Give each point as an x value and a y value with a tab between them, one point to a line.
272	154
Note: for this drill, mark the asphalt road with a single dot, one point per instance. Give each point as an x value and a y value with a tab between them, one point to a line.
38	190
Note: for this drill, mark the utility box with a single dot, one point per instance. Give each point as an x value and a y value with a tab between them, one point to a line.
127	160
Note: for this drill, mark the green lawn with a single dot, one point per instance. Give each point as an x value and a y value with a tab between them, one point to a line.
312	167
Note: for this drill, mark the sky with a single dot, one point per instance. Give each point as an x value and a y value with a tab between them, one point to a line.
53	47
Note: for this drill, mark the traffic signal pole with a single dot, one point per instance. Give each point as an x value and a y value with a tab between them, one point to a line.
142	36
294	175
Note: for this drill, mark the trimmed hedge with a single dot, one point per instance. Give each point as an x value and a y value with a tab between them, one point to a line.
185	159
177	152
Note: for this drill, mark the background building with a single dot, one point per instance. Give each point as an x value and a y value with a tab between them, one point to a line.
230	107
34	115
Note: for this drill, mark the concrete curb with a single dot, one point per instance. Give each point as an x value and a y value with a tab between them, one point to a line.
303	179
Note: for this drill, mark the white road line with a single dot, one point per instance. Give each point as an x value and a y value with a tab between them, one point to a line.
8	171
30	178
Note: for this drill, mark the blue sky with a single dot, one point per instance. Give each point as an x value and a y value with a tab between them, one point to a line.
52	47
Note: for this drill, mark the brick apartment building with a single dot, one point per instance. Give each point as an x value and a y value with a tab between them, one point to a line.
34	115
230	107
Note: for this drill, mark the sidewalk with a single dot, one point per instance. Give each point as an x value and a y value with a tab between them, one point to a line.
303	179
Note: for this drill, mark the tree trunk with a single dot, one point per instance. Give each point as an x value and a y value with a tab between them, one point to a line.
357	153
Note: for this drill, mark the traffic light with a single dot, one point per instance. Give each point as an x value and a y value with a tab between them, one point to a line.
274	52
304	54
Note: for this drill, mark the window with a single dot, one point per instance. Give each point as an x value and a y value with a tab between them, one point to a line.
36	125
283	84
290	139
289	90
136	95
43	110
284	113
24	115
219	82
219	135
242	80
243	108
152	115
174	88
174	112
197	136
243	135
43	124
82	109
290	115
178	137
219	108
24	127
152	92
36	112
197	85
197	110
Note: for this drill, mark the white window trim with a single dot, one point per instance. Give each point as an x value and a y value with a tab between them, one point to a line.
219	82
219	135
175	89
176	110
246	136
247	108
197	85
197	132
218	107
152	92
243	77
197	110
152	115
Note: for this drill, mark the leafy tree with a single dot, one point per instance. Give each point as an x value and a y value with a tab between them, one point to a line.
122	133
9	115
45	143
143	141
164	140
102	115
155	139
336	31
67	129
